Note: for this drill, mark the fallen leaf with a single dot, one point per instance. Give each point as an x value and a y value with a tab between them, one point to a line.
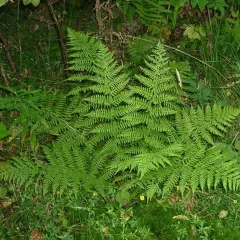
35	235
173	199
6	203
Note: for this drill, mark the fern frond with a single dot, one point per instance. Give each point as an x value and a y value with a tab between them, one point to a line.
150	161
202	124
82	51
21	172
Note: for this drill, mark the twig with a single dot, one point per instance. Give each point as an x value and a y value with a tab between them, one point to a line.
9	57
63	47
97	8
6	82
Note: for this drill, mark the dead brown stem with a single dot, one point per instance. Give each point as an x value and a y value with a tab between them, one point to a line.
9	57
6	82
59	30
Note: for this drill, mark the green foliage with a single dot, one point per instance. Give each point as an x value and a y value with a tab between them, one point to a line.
35	3
88	216
29	106
191	163
3	192
155	14
220	50
202	124
218	5
68	168
64	169
194	32
140	47
3	131
2	2
194	90
36	112
211	215
139	129
21	171
102	86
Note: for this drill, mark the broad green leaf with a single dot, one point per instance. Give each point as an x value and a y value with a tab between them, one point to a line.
201	31
234	14
2	2
202	4
191	33
131	14
219	5
3	192
65	223
26	2
33	141
237	145
194	32
3	131
230	154
194	3
122	196
35	2
206	93
201	86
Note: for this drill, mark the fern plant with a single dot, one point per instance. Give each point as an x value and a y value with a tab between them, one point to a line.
136	132
64	169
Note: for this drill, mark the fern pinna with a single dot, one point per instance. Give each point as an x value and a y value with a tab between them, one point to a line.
137	132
